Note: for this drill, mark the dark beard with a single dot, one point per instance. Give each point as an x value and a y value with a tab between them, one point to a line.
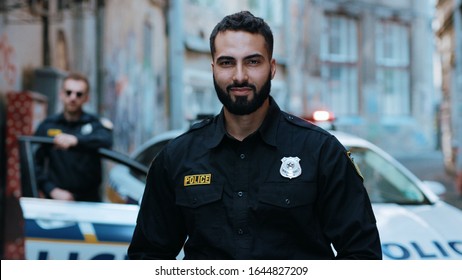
242	106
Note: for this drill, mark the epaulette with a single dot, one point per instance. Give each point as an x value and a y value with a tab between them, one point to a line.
301	122
297	121
200	124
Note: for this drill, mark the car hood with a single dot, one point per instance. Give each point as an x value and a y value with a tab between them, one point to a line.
420	232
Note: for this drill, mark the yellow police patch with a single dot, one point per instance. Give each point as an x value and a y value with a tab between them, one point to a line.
198	179
53	132
355	165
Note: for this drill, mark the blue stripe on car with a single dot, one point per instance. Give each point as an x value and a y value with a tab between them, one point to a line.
68	232
113	233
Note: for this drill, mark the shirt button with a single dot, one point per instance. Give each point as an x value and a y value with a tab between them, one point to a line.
240	194
287	201
240	231
242	156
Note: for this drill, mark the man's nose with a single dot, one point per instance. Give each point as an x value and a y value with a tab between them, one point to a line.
240	74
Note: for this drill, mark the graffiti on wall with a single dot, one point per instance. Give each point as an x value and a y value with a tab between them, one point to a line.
8	69
134	97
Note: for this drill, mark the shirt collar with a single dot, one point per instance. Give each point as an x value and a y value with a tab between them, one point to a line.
268	129
218	132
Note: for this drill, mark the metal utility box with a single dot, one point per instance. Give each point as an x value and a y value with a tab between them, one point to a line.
48	82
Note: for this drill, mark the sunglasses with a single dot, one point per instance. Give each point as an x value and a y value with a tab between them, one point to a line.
77	93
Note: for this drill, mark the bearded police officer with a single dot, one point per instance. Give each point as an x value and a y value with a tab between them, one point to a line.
253	182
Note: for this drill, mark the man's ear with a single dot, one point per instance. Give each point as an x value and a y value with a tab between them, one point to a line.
273	68
86	97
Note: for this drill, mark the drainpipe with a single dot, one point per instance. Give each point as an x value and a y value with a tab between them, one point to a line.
45	35
176	63
457	92
100	4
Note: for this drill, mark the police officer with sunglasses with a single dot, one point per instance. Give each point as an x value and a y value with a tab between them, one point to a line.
69	170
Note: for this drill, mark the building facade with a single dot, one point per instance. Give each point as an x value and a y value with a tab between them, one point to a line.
135	86
368	61
448	26
120	45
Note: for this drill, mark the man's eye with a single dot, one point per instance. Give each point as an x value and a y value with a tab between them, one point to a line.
225	63
253	61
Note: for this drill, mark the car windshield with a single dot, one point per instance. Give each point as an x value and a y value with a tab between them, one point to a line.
384	181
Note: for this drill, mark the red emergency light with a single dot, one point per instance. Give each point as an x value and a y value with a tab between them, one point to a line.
321	116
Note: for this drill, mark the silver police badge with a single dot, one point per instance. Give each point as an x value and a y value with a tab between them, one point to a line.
290	167
86	129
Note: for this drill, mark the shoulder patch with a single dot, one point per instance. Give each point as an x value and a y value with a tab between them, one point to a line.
348	153
106	123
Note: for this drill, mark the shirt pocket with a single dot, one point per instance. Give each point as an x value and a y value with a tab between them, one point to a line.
285	212
198	196
202	208
287	194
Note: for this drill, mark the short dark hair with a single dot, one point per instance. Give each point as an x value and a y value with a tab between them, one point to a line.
79	77
243	21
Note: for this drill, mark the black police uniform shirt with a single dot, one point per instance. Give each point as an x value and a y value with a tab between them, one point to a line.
229	200
77	169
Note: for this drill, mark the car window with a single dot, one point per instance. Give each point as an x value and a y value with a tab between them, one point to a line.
384	181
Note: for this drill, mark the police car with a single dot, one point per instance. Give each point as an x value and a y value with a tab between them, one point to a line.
414	223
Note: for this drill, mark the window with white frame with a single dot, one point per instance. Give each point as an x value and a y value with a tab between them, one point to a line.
392	58
203	3
270	10
339	70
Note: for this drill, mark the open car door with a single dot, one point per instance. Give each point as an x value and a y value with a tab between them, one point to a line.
73	230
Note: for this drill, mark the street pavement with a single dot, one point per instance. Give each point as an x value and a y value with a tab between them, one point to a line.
429	166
